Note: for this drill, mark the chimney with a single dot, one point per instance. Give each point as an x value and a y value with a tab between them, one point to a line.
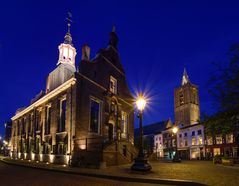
85	53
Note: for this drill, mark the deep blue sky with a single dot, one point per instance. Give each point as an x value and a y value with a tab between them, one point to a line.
157	38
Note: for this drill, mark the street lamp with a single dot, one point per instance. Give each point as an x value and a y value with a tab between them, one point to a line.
141	163
176	158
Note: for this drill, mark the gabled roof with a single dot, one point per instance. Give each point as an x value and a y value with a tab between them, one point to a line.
154	128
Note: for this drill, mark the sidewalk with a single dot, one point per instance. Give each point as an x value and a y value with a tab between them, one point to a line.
122	173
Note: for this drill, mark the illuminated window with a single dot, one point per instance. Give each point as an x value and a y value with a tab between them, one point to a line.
94	116
218	139
113	85
209	140
216	151
229	138
194	141
199	140
124	122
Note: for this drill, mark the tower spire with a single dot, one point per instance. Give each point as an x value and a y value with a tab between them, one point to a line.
113	28
69	21
67	52
185	78
113	38
68	38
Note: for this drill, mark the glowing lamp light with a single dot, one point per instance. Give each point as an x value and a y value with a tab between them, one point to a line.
82	147
51	158
41	157
175	130
141	103
67	158
33	156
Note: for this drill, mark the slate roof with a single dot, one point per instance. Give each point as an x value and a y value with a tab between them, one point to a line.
153	128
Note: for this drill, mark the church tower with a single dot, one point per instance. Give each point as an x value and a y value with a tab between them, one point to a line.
66	62
186	102
67	52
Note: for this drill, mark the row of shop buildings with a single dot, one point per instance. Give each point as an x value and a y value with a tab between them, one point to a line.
193	143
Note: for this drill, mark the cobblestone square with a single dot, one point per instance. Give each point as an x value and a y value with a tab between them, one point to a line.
199	171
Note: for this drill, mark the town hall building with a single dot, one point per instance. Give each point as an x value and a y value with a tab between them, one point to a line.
84	117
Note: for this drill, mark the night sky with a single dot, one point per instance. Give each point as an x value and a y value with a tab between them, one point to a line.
156	40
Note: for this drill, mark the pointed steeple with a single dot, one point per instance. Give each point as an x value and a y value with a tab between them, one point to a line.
68	38
185	78
113	38
113	28
67	52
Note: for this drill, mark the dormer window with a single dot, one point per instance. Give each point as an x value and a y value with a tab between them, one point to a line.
113	85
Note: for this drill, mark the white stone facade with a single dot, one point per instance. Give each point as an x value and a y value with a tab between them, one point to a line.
191	140
158	144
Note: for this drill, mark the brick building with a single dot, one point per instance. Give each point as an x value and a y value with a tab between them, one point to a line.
222	145
84	116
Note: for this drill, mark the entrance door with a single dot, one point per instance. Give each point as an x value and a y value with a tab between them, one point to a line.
110	132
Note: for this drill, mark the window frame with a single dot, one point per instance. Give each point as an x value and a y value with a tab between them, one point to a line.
99	114
60	128
48	119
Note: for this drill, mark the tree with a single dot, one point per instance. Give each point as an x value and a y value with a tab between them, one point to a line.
224	87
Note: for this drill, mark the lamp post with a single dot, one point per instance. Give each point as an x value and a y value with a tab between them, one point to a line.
176	158
141	163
